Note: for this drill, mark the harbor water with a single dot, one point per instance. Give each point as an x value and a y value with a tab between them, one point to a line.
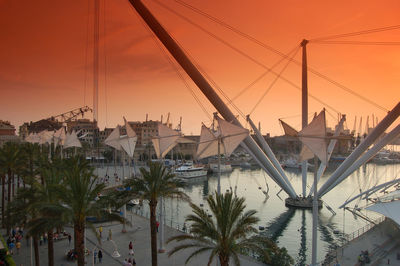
291	228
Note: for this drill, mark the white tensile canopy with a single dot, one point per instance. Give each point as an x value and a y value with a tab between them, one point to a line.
45	136
231	136
208	145
113	139
167	139
32	138
314	137
128	142
59	137
71	140
388	209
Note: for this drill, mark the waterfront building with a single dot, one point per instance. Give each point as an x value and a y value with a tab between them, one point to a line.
35	127
87	130
7	133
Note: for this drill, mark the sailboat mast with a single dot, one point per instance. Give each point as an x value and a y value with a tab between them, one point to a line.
304	108
249	144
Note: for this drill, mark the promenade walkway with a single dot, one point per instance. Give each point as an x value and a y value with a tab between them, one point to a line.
139	234
382	242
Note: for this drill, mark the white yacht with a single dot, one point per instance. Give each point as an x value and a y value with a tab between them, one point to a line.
187	170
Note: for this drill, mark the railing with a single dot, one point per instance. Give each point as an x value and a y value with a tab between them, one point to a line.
364	229
332	254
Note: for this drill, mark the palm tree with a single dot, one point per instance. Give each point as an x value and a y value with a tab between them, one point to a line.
10	162
225	236
80	199
21	211
155	183
50	213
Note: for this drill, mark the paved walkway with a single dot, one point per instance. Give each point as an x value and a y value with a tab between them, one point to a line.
139	234
382	243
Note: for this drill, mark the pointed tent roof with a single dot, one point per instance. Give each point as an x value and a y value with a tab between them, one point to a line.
59	137
32	138
45	136
232	135
72	140
128	142
208	145
314	137
166	140
289	131
113	139
388	209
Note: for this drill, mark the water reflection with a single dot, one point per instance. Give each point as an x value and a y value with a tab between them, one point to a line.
291	227
276	227
302	255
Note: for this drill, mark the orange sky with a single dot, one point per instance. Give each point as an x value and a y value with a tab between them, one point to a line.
44	64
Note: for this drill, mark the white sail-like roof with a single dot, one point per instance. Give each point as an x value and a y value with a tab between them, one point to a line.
32	138
71	140
128	142
59	137
166	140
208	145
289	131
232	135
45	136
314	137
113	139
388	209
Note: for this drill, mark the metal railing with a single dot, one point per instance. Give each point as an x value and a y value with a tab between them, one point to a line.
331	255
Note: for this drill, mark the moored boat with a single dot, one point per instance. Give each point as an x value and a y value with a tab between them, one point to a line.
189	171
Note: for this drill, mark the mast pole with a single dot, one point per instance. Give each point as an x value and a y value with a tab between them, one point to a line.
249	144
304	108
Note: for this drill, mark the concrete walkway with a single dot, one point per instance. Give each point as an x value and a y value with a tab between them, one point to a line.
139	234
381	241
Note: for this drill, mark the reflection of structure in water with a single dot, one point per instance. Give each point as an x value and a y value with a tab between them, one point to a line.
302	255
279	224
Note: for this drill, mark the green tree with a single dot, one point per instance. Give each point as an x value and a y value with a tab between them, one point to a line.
156	182
226	234
80	199
22	210
10	162
47	204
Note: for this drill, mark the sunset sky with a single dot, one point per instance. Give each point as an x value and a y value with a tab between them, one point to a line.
46	54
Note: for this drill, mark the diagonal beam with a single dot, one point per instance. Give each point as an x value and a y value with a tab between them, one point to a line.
368	141
249	144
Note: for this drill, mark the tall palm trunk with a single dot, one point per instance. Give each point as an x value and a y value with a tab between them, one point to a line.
223	260
153	232
9	184
13	185
3	183
9	196
36	248
50	245
79	232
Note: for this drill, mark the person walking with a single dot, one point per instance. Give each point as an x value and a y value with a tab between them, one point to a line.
18	246
100	255
69	239
94	256
100	230
130	248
